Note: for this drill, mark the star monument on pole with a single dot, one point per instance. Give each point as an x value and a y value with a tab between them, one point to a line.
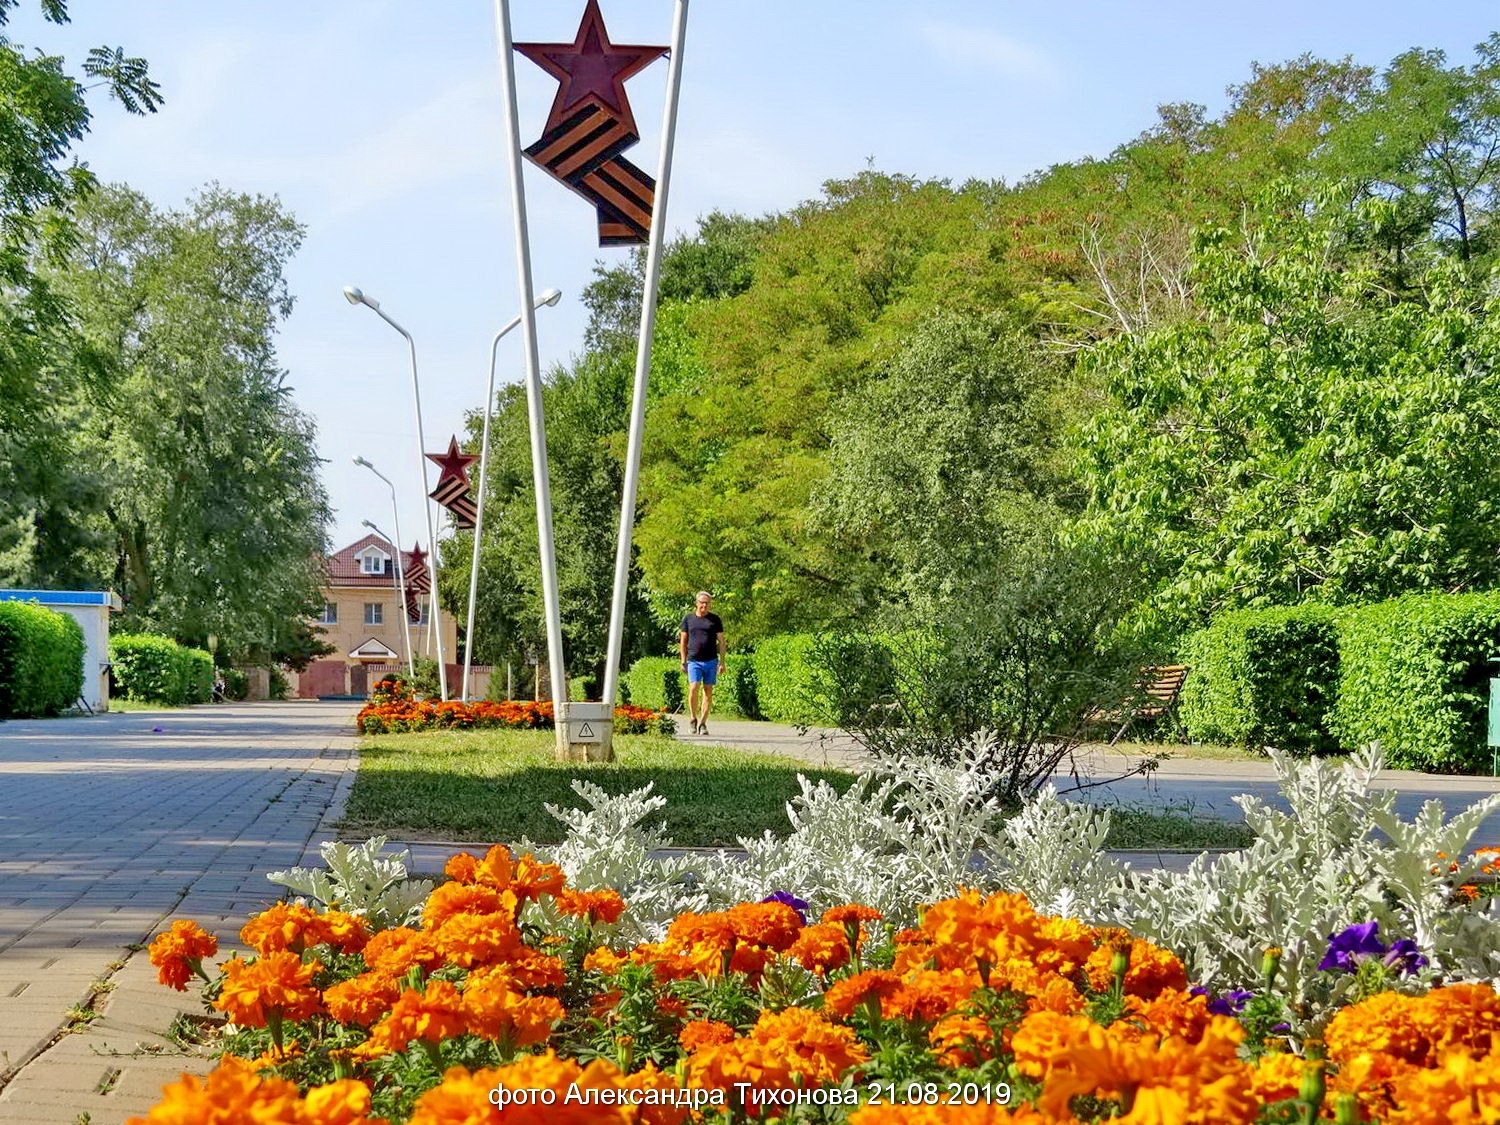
590	125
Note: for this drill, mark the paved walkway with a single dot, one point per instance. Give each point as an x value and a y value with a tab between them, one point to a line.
109	826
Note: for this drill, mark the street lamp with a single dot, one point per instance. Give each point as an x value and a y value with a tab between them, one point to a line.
549	298
411	670
400	573
355	297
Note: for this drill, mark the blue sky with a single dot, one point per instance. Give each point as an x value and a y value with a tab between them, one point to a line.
379	124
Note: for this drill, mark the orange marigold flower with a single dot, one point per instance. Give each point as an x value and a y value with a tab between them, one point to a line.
398	949
345	1102
459	898
462	1098
1151	969
1172	1011
232	1092
1461	1090
478	939
530	969
795	1045
844	996
821	948
927	995
1387	1023
705	1033
178	953
534	878
1057	994
597	906
276	985
649	1078
1277	1077
770	925
363	999
851	912
433	1015
605	960
985	1113
284	926
347	932
496	1011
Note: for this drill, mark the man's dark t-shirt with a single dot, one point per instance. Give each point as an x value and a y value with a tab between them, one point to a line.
702	636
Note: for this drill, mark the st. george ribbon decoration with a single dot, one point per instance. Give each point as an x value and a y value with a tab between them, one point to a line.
452	490
418	581
591	124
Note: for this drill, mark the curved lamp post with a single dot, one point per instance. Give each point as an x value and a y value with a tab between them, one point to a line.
549	298
411	670
356	297
411	666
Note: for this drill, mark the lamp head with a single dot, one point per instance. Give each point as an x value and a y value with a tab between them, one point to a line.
355	296
550	297
362	461
367	523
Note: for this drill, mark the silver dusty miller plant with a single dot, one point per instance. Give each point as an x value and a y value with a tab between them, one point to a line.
359	880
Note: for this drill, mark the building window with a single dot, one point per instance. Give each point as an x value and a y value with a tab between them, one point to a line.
374	613
372	560
330	614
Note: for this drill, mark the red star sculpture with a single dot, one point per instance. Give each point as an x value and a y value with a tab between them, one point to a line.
591	67
455	465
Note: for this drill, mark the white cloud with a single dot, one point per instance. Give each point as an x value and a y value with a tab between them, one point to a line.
959	46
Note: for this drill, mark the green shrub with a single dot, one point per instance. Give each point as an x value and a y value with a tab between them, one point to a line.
279	687
785	679
156	669
41	661
1263	677
1414	676
657	682
852	674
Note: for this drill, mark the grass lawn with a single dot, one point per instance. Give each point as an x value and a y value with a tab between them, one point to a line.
492	786
121	705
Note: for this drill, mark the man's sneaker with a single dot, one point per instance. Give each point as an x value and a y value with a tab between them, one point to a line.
702	728
695	726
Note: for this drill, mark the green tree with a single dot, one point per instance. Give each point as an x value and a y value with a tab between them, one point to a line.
1311	438
43	114
212	515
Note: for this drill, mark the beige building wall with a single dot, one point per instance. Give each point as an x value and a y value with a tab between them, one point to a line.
350	631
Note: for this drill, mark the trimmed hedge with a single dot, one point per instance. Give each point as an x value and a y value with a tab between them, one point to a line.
1414	675
155	669
41	661
1263	677
786	680
734	697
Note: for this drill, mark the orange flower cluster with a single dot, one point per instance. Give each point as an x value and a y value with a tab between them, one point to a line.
398	715
289	927
1092	1025
178	954
235	1093
1405	1057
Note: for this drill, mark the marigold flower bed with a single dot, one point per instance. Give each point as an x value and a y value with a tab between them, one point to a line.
510	1000
400	715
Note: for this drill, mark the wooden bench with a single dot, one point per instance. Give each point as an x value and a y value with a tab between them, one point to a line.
1157	692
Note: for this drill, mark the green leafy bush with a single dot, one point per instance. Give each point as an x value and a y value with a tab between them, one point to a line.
785	679
41	661
236	683
1264	677
156	669
1414	676
657	682
279	687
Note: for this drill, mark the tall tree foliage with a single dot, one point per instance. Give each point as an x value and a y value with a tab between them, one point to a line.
43	114
210	513
1311	437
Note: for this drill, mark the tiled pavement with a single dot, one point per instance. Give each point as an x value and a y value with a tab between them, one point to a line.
111	825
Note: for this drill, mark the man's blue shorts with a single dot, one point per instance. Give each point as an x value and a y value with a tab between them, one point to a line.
703	672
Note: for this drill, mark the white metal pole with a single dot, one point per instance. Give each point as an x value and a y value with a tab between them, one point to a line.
643	359
432	545
411	667
548	298
533	373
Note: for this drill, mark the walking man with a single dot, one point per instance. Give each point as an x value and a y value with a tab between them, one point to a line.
703	651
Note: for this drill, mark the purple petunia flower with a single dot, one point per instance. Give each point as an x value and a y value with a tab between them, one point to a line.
1349	946
789	899
1403	955
1232	1003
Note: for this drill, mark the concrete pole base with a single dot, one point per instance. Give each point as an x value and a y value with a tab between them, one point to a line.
584	732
